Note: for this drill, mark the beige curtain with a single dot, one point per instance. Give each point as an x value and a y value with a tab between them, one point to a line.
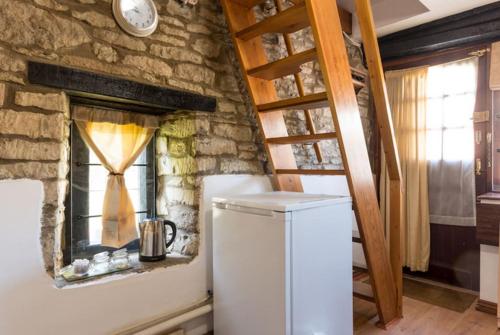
407	92
117	139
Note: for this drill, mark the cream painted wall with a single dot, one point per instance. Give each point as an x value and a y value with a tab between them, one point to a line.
489	273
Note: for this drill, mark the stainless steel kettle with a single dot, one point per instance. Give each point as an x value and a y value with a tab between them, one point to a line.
153	242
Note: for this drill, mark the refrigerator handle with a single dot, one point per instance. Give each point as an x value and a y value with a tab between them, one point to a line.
242	209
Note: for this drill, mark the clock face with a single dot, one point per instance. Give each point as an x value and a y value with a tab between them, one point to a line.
137	17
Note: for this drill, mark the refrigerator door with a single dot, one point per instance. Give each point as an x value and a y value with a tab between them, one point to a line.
321	271
250	272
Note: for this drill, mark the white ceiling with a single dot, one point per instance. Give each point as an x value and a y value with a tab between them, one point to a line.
395	15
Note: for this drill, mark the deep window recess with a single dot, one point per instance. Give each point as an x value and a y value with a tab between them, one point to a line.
87	187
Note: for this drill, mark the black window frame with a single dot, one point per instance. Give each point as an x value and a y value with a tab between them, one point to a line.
79	154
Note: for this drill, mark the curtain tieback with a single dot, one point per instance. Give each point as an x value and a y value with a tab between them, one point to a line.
115	174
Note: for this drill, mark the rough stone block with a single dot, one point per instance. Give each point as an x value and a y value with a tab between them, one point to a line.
240	166
198	28
175	53
186	86
105	52
226	107
120	39
180	128
207	47
206	164
185	217
33	125
11	63
176	166
55	102
52	4
195	73
215	146
186	243
161	145
55	192
23	24
229	83
150	65
24	150
29	170
178	147
238	133
95	19
174	31
169	40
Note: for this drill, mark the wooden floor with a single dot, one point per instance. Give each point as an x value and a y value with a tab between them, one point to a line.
424	319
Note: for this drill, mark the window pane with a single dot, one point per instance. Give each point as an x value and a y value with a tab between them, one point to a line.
458	144
458	110
434	145
434	118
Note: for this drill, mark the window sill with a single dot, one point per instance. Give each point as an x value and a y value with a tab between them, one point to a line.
173	259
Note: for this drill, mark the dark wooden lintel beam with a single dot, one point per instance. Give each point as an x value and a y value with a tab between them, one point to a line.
87	86
476	26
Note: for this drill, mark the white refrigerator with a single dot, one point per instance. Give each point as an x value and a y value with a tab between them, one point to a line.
282	264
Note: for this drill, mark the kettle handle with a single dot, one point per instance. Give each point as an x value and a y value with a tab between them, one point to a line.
174	231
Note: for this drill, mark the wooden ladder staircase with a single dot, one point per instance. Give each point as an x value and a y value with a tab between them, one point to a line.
341	81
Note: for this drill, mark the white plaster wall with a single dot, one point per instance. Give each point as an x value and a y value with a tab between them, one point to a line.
488	284
336	185
29	304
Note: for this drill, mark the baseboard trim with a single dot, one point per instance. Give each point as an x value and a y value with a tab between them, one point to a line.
486	307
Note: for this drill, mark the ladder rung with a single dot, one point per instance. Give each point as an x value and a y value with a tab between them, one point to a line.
310	101
363	291
291	20
358	84
311	172
283	67
301	139
359	72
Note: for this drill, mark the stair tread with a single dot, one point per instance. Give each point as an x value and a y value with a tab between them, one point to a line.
291	20
291	65
310	101
316	172
283	67
301	139
249	3
363	290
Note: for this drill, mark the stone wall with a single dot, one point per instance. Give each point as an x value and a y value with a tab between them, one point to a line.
313	83
191	50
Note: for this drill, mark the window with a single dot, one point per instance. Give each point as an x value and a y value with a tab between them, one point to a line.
450	106
88	180
450	142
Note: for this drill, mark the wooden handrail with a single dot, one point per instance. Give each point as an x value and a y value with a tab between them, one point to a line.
385	124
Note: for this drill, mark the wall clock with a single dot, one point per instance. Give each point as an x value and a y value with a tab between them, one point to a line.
136	17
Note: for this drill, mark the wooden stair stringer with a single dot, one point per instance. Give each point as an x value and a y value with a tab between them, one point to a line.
251	54
334	64
386	128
